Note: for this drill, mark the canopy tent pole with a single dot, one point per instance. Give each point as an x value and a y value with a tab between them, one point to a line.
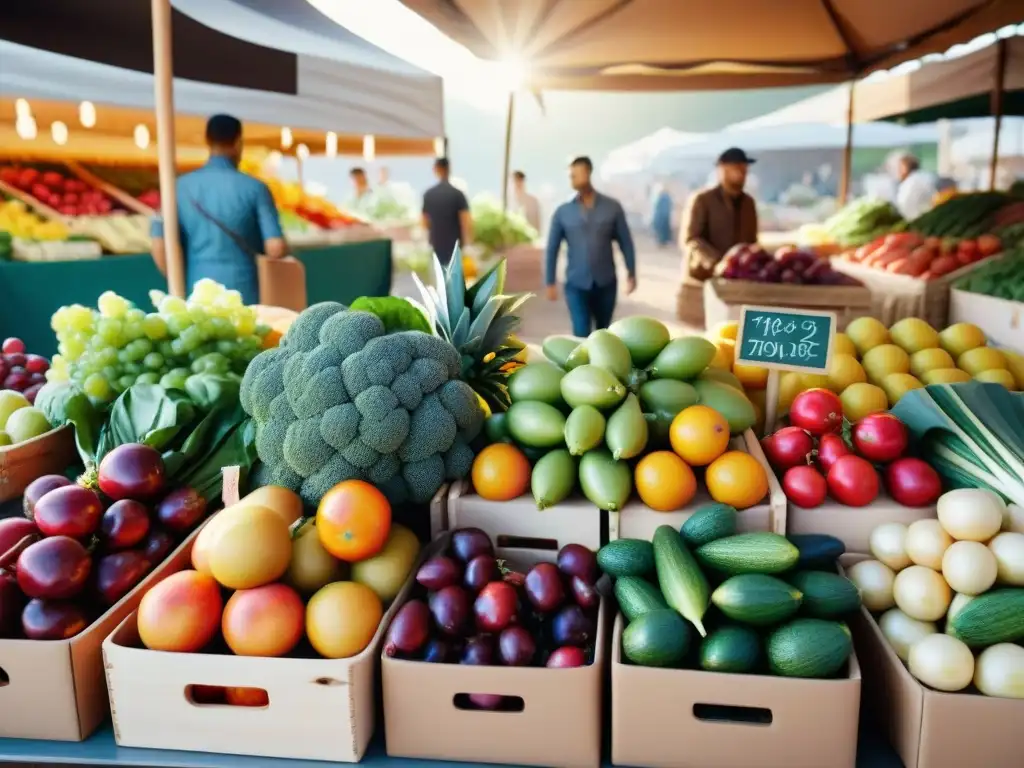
508	149
163	86
997	109
844	176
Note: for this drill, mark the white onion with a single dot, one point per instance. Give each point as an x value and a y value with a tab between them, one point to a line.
1008	549
970	514
1013	519
926	543
943	662
999	671
875	581
888	545
921	593
902	631
969	567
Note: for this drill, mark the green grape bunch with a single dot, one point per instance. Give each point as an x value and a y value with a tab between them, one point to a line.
106	350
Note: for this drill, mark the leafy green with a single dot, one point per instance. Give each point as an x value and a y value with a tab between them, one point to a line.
63	403
396	313
147	414
211	390
496	229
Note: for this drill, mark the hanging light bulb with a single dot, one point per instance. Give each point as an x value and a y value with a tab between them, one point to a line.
331	145
25	127
286	138
369	148
439	146
87	114
302	152
141	136
59	132
22	109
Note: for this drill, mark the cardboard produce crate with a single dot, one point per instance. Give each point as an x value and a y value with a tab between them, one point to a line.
48	454
638	521
723	299
1002	320
853	525
560	723
685	718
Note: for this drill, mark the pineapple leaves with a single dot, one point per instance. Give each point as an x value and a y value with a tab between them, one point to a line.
455	287
490	284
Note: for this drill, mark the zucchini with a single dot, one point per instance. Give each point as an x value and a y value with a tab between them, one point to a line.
709	522
753	598
637	596
626	557
826	595
749	553
656	639
731	648
994	617
681	580
809	648
818	551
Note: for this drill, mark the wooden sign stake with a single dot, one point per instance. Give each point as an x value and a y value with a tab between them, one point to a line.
771	396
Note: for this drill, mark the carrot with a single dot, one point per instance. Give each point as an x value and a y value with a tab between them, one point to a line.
896	267
890	256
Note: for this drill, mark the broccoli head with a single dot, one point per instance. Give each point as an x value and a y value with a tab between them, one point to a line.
341	398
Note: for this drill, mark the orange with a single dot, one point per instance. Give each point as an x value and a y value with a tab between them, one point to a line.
501	472
699	435
353	521
737	479
342	618
664	481
751	376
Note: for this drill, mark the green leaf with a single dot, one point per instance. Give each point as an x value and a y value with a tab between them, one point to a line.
455	285
62	403
460	335
396	313
145	413
491	283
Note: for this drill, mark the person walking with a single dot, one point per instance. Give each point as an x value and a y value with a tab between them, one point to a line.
226	218
916	191
589	223
661	216
523	203
446	214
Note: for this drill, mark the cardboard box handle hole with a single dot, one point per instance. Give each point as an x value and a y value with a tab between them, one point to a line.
488	702
5	679
721	713
221	696
525	542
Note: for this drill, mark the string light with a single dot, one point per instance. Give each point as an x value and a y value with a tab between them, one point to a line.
25	127
59	132
22	110
369	148
87	114
331	146
286	138
302	152
141	136
439	146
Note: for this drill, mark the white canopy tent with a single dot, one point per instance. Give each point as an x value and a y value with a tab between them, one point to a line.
636	156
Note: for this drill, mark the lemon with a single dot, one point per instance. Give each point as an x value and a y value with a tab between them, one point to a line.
896	385
913	334
790	385
752	377
945	376
929	360
866	333
979	359
844	371
998	376
841	345
884	359
1015	365
725	330
960	337
861	399
724	353
813	381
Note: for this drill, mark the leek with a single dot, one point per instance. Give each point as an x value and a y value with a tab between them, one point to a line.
971	433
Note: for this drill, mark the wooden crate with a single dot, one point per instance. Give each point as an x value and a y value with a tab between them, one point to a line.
723	299
48	454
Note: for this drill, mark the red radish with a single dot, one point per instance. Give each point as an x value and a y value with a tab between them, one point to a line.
913	483
805	486
853	481
880	437
790	447
818	411
831	448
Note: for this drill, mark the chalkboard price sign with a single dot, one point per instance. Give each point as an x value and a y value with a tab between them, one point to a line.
785	339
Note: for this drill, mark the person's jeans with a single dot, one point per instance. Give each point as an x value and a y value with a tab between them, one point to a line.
590	308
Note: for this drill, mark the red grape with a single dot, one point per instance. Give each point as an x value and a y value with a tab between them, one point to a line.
12	345
36	364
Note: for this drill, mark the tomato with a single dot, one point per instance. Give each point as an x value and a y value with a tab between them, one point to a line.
880	437
913	483
831	448
853	481
805	486
789	447
818	411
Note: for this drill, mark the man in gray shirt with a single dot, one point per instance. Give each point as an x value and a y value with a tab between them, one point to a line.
589	223
446	214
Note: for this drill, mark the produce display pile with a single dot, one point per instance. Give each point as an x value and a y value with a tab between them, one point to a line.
21	371
789	265
290	198
969	216
626	409
862	221
949	594
1003	279
759	602
496	229
926	258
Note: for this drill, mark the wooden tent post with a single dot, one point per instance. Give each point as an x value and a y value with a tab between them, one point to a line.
163	85
508	150
997	110
847	171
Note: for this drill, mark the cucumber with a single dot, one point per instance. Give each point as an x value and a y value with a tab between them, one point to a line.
756	599
626	557
656	639
994	617
731	648
709	522
809	648
749	553
681	580
826	595
637	596
818	551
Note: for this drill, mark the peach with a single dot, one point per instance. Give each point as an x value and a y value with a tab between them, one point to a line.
264	621
182	613
247	697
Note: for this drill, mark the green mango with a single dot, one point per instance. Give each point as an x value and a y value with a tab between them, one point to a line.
496	428
537	381
723	377
558	348
553	478
590	385
667	396
729	402
607	483
683	358
626	433
606	350
584	429
537	425
579	356
644	337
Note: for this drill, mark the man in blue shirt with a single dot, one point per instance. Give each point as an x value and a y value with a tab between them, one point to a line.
226	218
589	223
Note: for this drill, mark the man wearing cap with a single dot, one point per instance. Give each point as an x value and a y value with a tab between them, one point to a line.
717	219
225	217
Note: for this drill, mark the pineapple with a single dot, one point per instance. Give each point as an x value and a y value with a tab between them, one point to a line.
479	323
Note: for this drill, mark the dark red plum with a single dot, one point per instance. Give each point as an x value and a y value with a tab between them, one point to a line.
572	626
11	604
585	594
451	610
181	510
409	630
479	651
56	568
118	573
516	647
13	530
467	543
439	572
515	578
438	651
567	656
52	620
124	524
480	571
486	700
495	606
39	488
577	560
158	545
544	587
69	511
132	471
